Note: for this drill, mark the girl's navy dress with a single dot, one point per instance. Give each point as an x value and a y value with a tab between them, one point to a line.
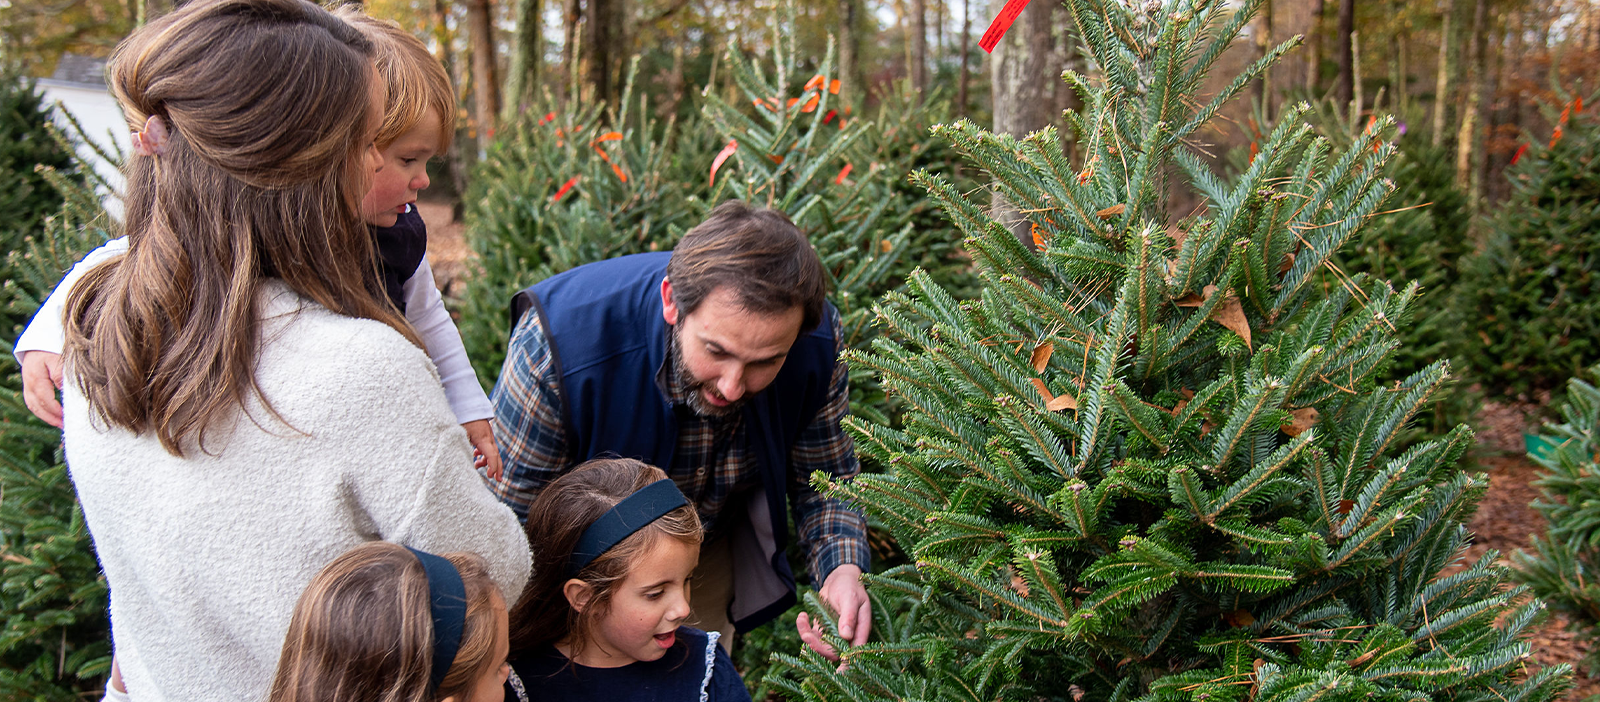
695	669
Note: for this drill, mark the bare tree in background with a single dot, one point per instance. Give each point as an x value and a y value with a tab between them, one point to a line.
1024	71
849	45
1441	89
1344	89
966	57
1314	47
919	45
485	84
524	79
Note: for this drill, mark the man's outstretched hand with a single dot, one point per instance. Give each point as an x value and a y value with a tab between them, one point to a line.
847	597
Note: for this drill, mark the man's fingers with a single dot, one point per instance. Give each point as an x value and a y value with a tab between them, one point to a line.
863	623
847	621
811	634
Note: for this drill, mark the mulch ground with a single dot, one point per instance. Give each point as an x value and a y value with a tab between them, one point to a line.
1505	517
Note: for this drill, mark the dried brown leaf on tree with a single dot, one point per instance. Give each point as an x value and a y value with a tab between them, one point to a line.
1304	418
1041	356
1019	585
1112	211
1230	314
1054	403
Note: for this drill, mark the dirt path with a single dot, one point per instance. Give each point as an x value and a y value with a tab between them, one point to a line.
447	250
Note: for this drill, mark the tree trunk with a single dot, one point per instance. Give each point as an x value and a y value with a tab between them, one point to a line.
1397	58
966	57
1344	89
1263	41
456	160
1023	78
1441	89
1467	139
602	42
919	45
849	43
527	59
485	84
1314	50
571	18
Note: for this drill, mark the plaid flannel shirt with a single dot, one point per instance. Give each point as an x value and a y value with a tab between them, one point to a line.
710	463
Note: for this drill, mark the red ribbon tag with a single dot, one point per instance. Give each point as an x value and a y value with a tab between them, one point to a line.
722	156
1001	24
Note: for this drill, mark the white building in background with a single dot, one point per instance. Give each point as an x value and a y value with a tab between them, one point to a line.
79	87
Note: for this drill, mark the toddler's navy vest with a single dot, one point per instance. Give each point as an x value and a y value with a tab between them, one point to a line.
607	342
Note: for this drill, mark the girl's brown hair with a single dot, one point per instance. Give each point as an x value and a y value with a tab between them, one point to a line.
416	80
261	176
556	520
363	630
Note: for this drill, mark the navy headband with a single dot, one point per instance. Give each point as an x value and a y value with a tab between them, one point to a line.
633	513
447	598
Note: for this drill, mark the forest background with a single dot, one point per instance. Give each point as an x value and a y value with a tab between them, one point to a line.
1468	75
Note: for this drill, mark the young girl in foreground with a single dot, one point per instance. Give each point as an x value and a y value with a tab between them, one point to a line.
389	624
601	619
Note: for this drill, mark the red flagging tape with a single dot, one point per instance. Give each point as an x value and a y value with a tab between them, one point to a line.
1001	24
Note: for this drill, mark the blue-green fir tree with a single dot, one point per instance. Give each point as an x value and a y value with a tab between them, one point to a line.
1151	459
55	638
1563	567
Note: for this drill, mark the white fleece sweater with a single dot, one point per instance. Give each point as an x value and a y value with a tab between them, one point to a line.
206	555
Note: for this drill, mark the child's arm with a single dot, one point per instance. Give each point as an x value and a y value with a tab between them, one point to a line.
425	310
38	350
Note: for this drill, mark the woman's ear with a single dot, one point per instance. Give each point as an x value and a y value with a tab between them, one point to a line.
578	593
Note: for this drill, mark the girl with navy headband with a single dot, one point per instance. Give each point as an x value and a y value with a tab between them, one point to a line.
387	623
614	545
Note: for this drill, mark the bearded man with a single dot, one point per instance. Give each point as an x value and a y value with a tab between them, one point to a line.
718	363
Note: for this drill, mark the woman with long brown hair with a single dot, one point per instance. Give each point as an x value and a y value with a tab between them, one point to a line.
241	405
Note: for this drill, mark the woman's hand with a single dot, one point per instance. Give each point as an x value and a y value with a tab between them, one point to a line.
41	377
485	452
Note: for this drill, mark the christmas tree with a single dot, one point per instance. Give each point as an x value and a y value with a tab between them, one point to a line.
1531	300
55	642
26	144
1565	562
1151	459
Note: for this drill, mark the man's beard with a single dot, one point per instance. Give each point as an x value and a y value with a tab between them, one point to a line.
696	388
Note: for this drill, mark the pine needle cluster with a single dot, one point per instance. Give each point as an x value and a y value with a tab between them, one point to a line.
1152	459
55	638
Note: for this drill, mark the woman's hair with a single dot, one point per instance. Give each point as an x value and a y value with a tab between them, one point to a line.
416	80
266	103
363	630
556	520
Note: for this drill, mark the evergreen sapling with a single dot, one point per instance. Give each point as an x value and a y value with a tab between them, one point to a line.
1151	459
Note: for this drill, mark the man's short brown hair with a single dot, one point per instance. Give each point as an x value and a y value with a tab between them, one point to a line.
758	254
